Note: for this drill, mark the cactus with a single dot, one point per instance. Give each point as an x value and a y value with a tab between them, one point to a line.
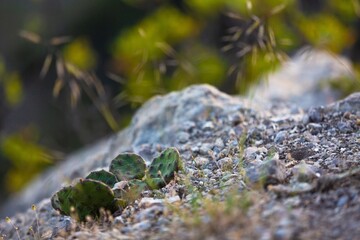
86	198
129	191
128	166
63	200
103	176
162	168
90	196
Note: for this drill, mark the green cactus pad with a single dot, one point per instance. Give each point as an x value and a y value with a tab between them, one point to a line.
131	190
162	168
63	200
103	176
155	183
90	196
128	166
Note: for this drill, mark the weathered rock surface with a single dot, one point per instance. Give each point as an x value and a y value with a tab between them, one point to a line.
308	162
159	121
292	173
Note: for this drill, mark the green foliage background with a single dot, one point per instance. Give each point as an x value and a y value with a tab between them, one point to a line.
121	53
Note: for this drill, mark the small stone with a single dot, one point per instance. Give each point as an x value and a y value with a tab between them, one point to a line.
205	148
148	202
183	137
269	172
225	163
236	119
280	137
208	126
252	153
342	201
201	161
142	226
344	127
188	125
173	199
315	115
219	143
304	172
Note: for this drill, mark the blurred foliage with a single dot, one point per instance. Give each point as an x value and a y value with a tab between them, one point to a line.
80	53
27	156
11	84
167	45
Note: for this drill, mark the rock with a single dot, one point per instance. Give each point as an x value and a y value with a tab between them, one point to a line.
269	172
280	137
201	161
349	104
206	148
304	172
305	79
219	143
183	137
155	122
264	146
225	163
208	126
315	115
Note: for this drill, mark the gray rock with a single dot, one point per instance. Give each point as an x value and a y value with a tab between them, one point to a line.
315	115
280	137
201	161
206	148
304	172
269	172
156	122
225	163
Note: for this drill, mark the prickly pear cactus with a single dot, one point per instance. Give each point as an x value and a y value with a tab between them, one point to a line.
128	166
86	198
129	190
103	176
90	196
162	168
63	200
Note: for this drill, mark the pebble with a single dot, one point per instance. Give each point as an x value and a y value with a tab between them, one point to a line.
183	137
315	115
147	202
142	226
188	125
280	137
219	143
208	126
205	148
344	127
236	119
225	163
304	172
342	201
201	161
273	171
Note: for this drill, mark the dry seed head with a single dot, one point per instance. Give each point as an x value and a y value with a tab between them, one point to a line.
33	207
8	220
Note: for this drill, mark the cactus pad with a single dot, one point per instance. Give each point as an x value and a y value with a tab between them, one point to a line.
130	190
128	166
63	200
103	176
162	168
90	196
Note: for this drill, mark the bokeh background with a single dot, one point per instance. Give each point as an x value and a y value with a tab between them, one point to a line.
73	72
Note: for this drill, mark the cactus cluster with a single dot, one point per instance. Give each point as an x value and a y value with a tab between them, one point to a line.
120	186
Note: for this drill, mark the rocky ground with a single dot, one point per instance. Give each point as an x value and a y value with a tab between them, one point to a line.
250	171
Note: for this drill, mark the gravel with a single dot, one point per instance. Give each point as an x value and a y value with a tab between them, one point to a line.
295	179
